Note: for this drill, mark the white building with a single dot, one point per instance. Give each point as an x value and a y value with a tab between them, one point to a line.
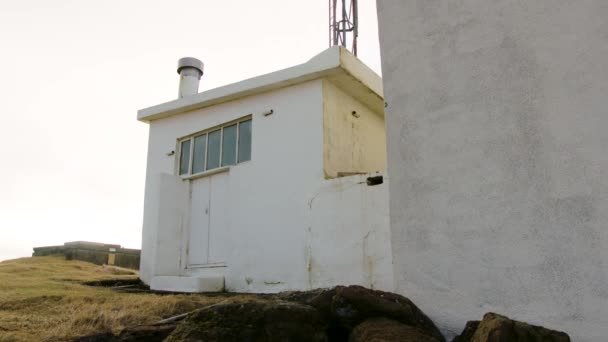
261	185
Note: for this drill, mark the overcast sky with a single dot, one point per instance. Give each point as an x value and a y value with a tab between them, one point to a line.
74	73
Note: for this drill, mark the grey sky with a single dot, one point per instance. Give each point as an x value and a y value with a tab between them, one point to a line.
74	73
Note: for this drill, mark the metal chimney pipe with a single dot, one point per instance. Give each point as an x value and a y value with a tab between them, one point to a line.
190	71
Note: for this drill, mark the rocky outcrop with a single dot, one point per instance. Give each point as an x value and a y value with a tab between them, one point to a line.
343	313
384	329
347	306
497	328
468	332
254	321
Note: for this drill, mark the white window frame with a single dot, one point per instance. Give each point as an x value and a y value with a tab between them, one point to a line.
220	168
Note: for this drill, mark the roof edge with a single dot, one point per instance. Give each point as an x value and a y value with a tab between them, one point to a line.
362	72
323	64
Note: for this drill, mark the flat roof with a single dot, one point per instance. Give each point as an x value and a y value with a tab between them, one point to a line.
336	64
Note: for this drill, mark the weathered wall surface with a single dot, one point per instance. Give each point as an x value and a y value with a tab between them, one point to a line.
351	142
282	229
259	215
497	136
348	236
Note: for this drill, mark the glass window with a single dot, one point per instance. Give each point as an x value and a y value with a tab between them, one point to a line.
244	141
229	145
213	150
198	155
184	157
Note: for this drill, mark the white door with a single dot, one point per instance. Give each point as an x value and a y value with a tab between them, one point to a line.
219	235
198	239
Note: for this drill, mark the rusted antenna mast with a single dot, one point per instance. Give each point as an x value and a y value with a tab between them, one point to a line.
343	22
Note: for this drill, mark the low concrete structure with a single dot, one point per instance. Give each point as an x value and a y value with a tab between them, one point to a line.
97	253
497	147
280	218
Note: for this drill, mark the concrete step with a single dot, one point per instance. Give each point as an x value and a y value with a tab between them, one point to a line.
207	283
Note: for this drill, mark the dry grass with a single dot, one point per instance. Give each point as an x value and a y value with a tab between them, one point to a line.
41	299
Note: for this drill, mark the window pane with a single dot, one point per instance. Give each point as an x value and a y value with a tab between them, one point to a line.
184	157
198	155
213	150
245	141
229	146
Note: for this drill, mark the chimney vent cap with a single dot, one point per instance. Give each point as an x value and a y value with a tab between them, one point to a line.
189	62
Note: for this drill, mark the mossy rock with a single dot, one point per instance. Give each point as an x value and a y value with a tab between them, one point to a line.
497	328
384	329
253	321
345	307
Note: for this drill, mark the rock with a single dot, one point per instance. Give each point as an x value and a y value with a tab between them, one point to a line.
387	330
468	332
343	313
348	306
303	297
497	328
252	321
152	333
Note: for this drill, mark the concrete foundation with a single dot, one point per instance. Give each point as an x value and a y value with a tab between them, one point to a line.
188	284
497	123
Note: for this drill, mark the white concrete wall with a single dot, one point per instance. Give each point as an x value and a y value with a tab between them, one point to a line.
272	234
348	235
497	125
166	203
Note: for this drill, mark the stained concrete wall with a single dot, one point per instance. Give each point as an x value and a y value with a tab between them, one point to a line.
261	191
354	138
497	125
285	227
348	234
